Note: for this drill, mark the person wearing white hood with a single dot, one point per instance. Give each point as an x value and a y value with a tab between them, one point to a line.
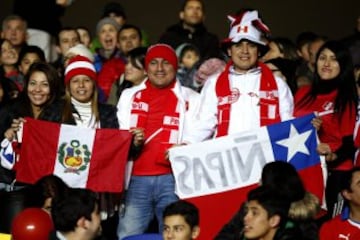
246	95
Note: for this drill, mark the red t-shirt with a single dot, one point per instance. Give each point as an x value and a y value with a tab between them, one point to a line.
337	228
333	128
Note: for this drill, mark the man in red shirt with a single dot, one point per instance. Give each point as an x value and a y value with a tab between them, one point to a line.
162	107
346	225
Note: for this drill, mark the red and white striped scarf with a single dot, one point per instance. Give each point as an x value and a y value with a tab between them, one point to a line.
269	99
169	129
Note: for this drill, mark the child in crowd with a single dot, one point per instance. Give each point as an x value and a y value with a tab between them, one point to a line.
27	56
181	221
188	56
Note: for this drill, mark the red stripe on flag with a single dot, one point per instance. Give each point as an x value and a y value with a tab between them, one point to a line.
217	209
108	160
313	180
38	151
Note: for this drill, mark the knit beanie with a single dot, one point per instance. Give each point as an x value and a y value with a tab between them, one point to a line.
161	51
106	20
79	65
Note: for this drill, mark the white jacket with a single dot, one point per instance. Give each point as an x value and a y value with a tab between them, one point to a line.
245	112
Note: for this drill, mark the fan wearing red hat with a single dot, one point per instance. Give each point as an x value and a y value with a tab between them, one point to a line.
162	107
82	108
246	95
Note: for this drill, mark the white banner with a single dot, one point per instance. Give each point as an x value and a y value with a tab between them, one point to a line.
236	161
221	164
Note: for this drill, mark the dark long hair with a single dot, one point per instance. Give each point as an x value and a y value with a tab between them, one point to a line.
344	82
136	56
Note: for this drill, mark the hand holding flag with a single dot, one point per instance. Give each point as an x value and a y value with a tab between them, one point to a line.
82	157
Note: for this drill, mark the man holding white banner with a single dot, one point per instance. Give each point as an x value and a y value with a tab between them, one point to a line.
162	107
236	103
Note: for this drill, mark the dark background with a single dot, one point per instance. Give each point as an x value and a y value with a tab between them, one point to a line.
333	18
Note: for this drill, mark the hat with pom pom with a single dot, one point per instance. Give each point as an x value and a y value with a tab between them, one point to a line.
80	65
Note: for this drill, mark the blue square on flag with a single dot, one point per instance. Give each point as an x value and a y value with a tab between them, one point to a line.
295	141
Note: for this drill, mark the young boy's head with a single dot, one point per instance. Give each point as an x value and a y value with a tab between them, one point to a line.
189	55
181	221
266	212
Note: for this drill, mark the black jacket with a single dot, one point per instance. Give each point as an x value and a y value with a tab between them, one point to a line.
207	43
48	20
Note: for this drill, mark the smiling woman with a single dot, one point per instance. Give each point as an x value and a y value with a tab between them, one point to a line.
41	91
334	92
82	108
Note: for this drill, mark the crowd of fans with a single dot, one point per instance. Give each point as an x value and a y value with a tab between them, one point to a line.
188	87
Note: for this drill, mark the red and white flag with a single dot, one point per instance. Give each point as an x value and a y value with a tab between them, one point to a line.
82	157
217	174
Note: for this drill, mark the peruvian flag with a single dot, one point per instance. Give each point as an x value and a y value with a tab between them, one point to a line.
82	157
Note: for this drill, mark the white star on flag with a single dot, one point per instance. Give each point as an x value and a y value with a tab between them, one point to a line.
295	142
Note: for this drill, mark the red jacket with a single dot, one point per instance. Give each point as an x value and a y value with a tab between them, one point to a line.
109	73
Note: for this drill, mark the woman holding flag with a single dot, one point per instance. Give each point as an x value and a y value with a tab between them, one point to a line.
41	90
81	108
333	95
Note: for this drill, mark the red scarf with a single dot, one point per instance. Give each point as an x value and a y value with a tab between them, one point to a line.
269	98
170	123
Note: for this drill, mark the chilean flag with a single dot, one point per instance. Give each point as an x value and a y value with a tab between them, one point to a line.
82	157
216	175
